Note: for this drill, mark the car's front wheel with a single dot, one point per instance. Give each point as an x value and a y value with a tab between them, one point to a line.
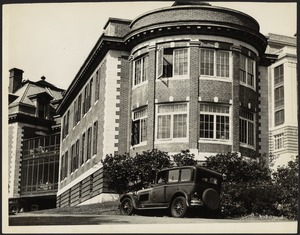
126	207
179	207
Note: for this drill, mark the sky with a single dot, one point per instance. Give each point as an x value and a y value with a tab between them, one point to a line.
54	39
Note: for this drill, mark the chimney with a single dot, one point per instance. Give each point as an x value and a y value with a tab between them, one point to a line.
15	79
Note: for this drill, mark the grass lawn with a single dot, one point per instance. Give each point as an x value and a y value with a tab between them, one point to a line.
105	208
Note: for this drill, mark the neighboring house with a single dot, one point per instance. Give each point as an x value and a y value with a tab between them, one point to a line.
283	97
190	76
34	140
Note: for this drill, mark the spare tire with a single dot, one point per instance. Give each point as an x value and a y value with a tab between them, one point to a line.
211	199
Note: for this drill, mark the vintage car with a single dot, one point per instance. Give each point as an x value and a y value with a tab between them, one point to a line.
177	189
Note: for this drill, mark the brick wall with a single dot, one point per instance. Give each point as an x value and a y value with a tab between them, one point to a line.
195	14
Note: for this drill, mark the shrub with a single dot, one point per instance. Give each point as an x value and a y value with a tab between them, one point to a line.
184	158
286	178
245	184
124	173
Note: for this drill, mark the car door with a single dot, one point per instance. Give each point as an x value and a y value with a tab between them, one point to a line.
172	184
158	194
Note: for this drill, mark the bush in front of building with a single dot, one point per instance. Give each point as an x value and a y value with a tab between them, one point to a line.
249	189
124	173
286	178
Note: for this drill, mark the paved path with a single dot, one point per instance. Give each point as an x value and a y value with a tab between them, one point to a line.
150	224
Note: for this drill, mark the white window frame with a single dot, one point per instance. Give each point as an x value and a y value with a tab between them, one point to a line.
159	60
141	59
139	115
278	141
215	114
215	76
171	138
247	59
247	145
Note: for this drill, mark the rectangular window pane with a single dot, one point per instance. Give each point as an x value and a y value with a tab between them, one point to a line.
143	129
250	71
173	176
145	68
95	137
242	68
164	127
279	96
137	72
222	63
207	62
278	74
168	63
180	126
279	117
206	126
222	126
180	62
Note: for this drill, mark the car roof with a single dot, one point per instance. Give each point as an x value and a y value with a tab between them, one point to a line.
200	168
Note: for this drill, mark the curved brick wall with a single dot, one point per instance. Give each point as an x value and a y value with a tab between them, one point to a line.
195	13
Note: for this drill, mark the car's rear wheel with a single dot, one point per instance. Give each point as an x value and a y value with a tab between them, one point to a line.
179	207
126	207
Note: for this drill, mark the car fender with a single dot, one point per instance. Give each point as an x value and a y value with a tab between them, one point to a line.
132	197
180	193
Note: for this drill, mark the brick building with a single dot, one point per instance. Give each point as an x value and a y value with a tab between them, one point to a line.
34	140
190	76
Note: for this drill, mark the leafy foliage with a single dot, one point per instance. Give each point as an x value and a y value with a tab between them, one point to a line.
238	169
124	173
184	158
286	178
249	189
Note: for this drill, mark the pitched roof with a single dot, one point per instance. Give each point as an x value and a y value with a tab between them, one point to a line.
30	88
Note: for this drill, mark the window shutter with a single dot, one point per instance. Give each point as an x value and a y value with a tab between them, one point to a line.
160	62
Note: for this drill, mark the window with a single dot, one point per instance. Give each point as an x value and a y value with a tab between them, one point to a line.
82	149
247	71
247	127
141	70
72	157
139	126
75	113
88	144
90	94
214	122
87	97
279	141
214	63
75	155
279	117
95	137
97	85
278	74
172	121
161	177
62	169
279	94
65	124
43	109
173	176
66	165
79	108
186	175
172	62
